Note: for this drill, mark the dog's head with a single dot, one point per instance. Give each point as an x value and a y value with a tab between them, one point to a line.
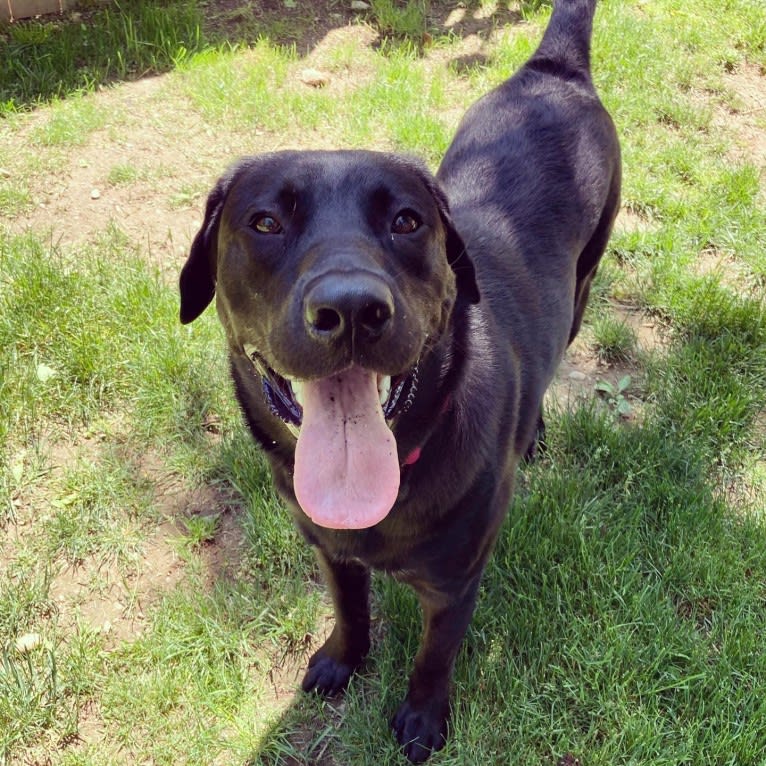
333	272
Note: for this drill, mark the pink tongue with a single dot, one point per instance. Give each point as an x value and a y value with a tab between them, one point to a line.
346	464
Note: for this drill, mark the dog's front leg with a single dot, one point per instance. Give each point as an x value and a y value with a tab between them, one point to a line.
330	668
420	723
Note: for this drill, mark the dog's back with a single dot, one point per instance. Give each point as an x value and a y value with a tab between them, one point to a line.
533	180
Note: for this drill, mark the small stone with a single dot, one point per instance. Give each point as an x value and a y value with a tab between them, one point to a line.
28	642
95	194
359	5
577	375
314	78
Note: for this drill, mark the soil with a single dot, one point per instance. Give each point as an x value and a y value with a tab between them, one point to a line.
745	116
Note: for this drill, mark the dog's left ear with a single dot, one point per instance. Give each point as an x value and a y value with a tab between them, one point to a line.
457	255
197	280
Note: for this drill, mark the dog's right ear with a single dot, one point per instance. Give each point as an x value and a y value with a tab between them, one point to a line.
457	255
197	281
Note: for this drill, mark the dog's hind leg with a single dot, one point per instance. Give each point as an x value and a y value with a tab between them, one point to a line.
587	263
538	446
331	667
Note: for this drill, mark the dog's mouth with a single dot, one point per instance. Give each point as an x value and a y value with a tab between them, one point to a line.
285	396
347	468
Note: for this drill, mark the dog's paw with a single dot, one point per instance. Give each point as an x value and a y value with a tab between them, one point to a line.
326	676
420	732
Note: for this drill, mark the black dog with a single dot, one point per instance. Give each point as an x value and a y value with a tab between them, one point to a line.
390	350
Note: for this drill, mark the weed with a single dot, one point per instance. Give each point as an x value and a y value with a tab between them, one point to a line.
123	174
615	395
200	530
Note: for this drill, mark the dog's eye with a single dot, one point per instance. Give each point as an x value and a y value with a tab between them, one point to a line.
405	222
265	224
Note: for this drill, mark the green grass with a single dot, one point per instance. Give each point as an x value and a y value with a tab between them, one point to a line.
124	174
69	123
403	19
621	619
397	103
125	40
614	339
13	199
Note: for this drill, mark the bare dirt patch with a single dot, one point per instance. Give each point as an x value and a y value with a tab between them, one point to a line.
745	114
116	602
724	267
581	369
578	374
630	221
160	210
478	31
101	596
113	594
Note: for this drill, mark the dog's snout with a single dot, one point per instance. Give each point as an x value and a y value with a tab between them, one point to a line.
340	306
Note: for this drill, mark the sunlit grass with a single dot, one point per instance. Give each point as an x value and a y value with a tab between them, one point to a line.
621	618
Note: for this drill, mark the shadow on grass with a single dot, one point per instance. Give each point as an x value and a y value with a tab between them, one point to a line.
621	604
83	49
57	56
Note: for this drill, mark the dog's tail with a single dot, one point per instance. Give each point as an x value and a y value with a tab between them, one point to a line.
565	47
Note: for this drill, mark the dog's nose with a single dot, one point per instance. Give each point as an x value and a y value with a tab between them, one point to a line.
348	305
